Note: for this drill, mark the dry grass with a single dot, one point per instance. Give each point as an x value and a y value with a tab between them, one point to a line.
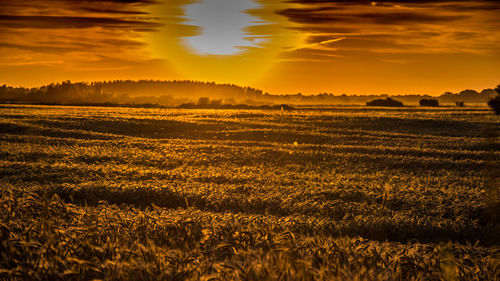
156	194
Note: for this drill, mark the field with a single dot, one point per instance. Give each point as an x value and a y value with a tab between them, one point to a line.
345	193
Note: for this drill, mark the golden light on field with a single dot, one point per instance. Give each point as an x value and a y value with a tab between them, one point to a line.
120	193
181	148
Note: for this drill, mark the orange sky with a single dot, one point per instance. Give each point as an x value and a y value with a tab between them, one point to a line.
353	47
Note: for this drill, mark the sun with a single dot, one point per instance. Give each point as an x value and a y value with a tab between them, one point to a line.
214	40
222	24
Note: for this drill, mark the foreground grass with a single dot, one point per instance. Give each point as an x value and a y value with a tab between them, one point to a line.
154	194
45	238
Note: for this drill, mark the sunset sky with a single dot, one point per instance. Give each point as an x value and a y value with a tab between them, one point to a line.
307	46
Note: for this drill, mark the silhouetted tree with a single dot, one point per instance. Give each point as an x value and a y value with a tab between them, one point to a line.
429	102
495	102
203	101
385	102
215	103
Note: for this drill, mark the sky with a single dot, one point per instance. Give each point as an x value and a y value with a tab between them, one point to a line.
282	47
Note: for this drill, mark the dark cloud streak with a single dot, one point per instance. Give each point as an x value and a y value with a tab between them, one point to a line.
59	22
111	11
70	33
311	16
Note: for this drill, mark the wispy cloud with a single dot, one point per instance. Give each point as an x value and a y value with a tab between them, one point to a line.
317	45
73	31
399	26
64	22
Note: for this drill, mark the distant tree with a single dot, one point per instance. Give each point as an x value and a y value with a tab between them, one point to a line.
215	103
494	103
385	102
203	101
285	107
429	102
229	101
187	105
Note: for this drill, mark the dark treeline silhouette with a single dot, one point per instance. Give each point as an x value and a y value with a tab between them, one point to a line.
175	93
468	96
127	92
207	103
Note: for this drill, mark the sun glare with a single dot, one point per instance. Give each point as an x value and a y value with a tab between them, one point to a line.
237	44
223	26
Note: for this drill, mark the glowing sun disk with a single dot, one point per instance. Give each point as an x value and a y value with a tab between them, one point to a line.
223	24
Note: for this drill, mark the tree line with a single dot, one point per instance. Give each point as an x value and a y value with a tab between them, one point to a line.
174	93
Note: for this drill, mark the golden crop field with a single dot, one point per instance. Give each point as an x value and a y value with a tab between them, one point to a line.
344	193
